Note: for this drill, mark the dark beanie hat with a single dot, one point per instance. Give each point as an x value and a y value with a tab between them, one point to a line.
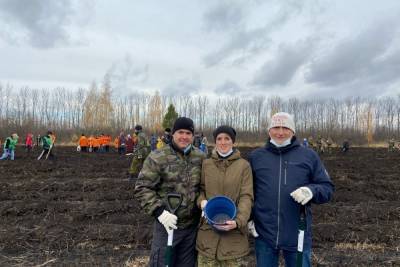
225	129
183	123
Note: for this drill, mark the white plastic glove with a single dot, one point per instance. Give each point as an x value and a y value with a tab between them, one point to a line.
252	228
203	204
302	195
168	220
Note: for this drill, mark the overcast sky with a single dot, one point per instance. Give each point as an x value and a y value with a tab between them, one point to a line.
303	48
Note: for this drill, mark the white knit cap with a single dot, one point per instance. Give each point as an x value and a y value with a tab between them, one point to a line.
282	119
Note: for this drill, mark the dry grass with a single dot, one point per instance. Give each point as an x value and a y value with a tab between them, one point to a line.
360	246
137	262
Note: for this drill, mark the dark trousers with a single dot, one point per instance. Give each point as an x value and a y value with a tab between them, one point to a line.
184	247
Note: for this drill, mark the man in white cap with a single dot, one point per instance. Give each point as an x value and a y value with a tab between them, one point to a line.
286	177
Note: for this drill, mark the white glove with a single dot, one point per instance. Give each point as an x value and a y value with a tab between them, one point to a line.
302	195
252	228
168	220
203	204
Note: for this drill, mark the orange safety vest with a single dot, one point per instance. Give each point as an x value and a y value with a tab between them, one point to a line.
116	142
83	141
96	142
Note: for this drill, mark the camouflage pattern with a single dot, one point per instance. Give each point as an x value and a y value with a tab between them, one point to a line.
329	143
166	171
141	148
323	146
203	261
139	155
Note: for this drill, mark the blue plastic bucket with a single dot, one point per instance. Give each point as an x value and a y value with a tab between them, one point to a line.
220	209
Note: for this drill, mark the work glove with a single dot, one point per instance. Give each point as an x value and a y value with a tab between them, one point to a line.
203	204
302	195
168	220
251	228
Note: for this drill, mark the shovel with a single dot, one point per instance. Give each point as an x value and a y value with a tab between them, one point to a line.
41	155
300	240
174	201
49	151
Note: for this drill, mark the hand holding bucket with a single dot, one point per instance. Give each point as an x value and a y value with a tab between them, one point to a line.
220	212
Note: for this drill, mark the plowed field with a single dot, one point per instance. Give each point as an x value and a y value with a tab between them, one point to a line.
79	210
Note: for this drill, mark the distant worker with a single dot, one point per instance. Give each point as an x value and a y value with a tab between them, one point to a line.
83	143
204	144
9	147
29	142
121	143
96	144
197	140
346	145
160	143
305	142
116	143
140	153
329	143
47	145
153	142
167	137
129	144
90	143
392	143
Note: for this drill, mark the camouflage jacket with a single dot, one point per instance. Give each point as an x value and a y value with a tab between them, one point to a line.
166	171
141	149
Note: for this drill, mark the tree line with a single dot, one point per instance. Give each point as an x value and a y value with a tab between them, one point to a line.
97	109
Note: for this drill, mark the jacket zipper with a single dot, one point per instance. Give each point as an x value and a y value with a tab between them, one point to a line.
285	170
279	199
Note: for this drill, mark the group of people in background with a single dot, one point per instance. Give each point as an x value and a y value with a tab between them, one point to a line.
46	142
324	145
93	143
271	191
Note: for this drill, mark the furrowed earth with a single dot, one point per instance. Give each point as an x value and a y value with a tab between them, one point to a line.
79	210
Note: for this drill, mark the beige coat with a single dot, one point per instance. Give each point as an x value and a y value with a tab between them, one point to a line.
231	177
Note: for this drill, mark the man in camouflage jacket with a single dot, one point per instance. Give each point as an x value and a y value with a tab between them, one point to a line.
175	168
140	153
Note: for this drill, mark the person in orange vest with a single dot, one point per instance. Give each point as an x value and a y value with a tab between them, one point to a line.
103	140
107	142
83	143
116	143
96	144
52	137
90	143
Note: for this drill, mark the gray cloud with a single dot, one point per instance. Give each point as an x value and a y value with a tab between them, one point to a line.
356	59
41	23
242	45
226	15
188	86
281	69
124	74
245	42
228	88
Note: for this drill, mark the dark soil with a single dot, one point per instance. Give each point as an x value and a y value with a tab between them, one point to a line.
79	210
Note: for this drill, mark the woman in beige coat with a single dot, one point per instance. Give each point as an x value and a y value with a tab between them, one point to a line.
225	173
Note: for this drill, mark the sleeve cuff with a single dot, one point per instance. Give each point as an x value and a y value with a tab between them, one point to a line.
157	212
